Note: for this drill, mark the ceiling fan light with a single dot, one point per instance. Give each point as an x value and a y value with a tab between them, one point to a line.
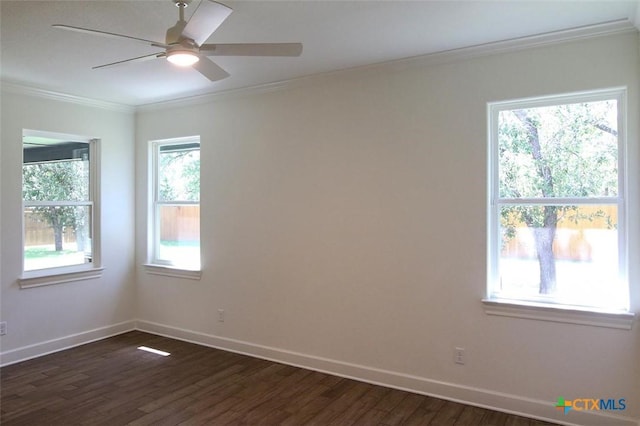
183	59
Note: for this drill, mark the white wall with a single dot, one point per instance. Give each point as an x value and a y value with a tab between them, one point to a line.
343	228
47	318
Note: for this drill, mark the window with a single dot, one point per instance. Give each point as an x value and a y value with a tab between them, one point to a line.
58	190
175	214
556	208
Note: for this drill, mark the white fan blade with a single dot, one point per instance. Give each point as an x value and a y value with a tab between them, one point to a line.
108	34
205	20
252	49
209	69
138	59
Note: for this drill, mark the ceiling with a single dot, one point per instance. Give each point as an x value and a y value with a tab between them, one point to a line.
336	35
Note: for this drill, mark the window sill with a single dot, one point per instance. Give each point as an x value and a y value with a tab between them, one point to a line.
559	313
50	277
172	271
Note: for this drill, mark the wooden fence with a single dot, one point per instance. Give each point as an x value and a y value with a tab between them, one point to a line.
573	239
38	232
182	223
178	223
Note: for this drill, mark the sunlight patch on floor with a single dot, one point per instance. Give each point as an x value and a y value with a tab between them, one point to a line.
153	351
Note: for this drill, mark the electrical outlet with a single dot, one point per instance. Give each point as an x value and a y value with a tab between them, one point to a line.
220	315
459	356
3	328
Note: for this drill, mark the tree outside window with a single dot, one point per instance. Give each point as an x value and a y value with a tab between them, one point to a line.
57	200
556	209
176	203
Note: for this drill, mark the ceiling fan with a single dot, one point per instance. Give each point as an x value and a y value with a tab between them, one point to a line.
184	43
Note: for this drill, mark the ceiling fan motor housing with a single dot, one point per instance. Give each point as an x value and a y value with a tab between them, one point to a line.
174	34
185	46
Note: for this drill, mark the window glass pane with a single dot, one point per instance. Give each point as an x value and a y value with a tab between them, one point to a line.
570	251
56	172
179	235
566	150
564	254
56	236
179	172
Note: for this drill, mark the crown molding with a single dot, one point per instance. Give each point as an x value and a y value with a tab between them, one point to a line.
612	28
605	29
21	89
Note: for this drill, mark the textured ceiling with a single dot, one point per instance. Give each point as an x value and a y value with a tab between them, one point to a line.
336	35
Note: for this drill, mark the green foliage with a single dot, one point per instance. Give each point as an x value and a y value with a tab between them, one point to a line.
179	175
39	253
56	181
580	157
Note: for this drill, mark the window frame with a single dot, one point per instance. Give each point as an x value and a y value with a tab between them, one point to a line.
549	310
154	264
68	273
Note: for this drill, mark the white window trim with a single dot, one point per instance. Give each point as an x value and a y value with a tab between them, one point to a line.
155	266
558	313
170	271
52	276
493	304
71	273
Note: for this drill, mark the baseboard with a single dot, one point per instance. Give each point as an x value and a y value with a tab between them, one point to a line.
55	345
512	404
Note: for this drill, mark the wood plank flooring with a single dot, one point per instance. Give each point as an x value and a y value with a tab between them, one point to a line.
111	382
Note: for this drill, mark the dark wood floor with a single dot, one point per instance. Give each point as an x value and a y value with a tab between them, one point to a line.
110	382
